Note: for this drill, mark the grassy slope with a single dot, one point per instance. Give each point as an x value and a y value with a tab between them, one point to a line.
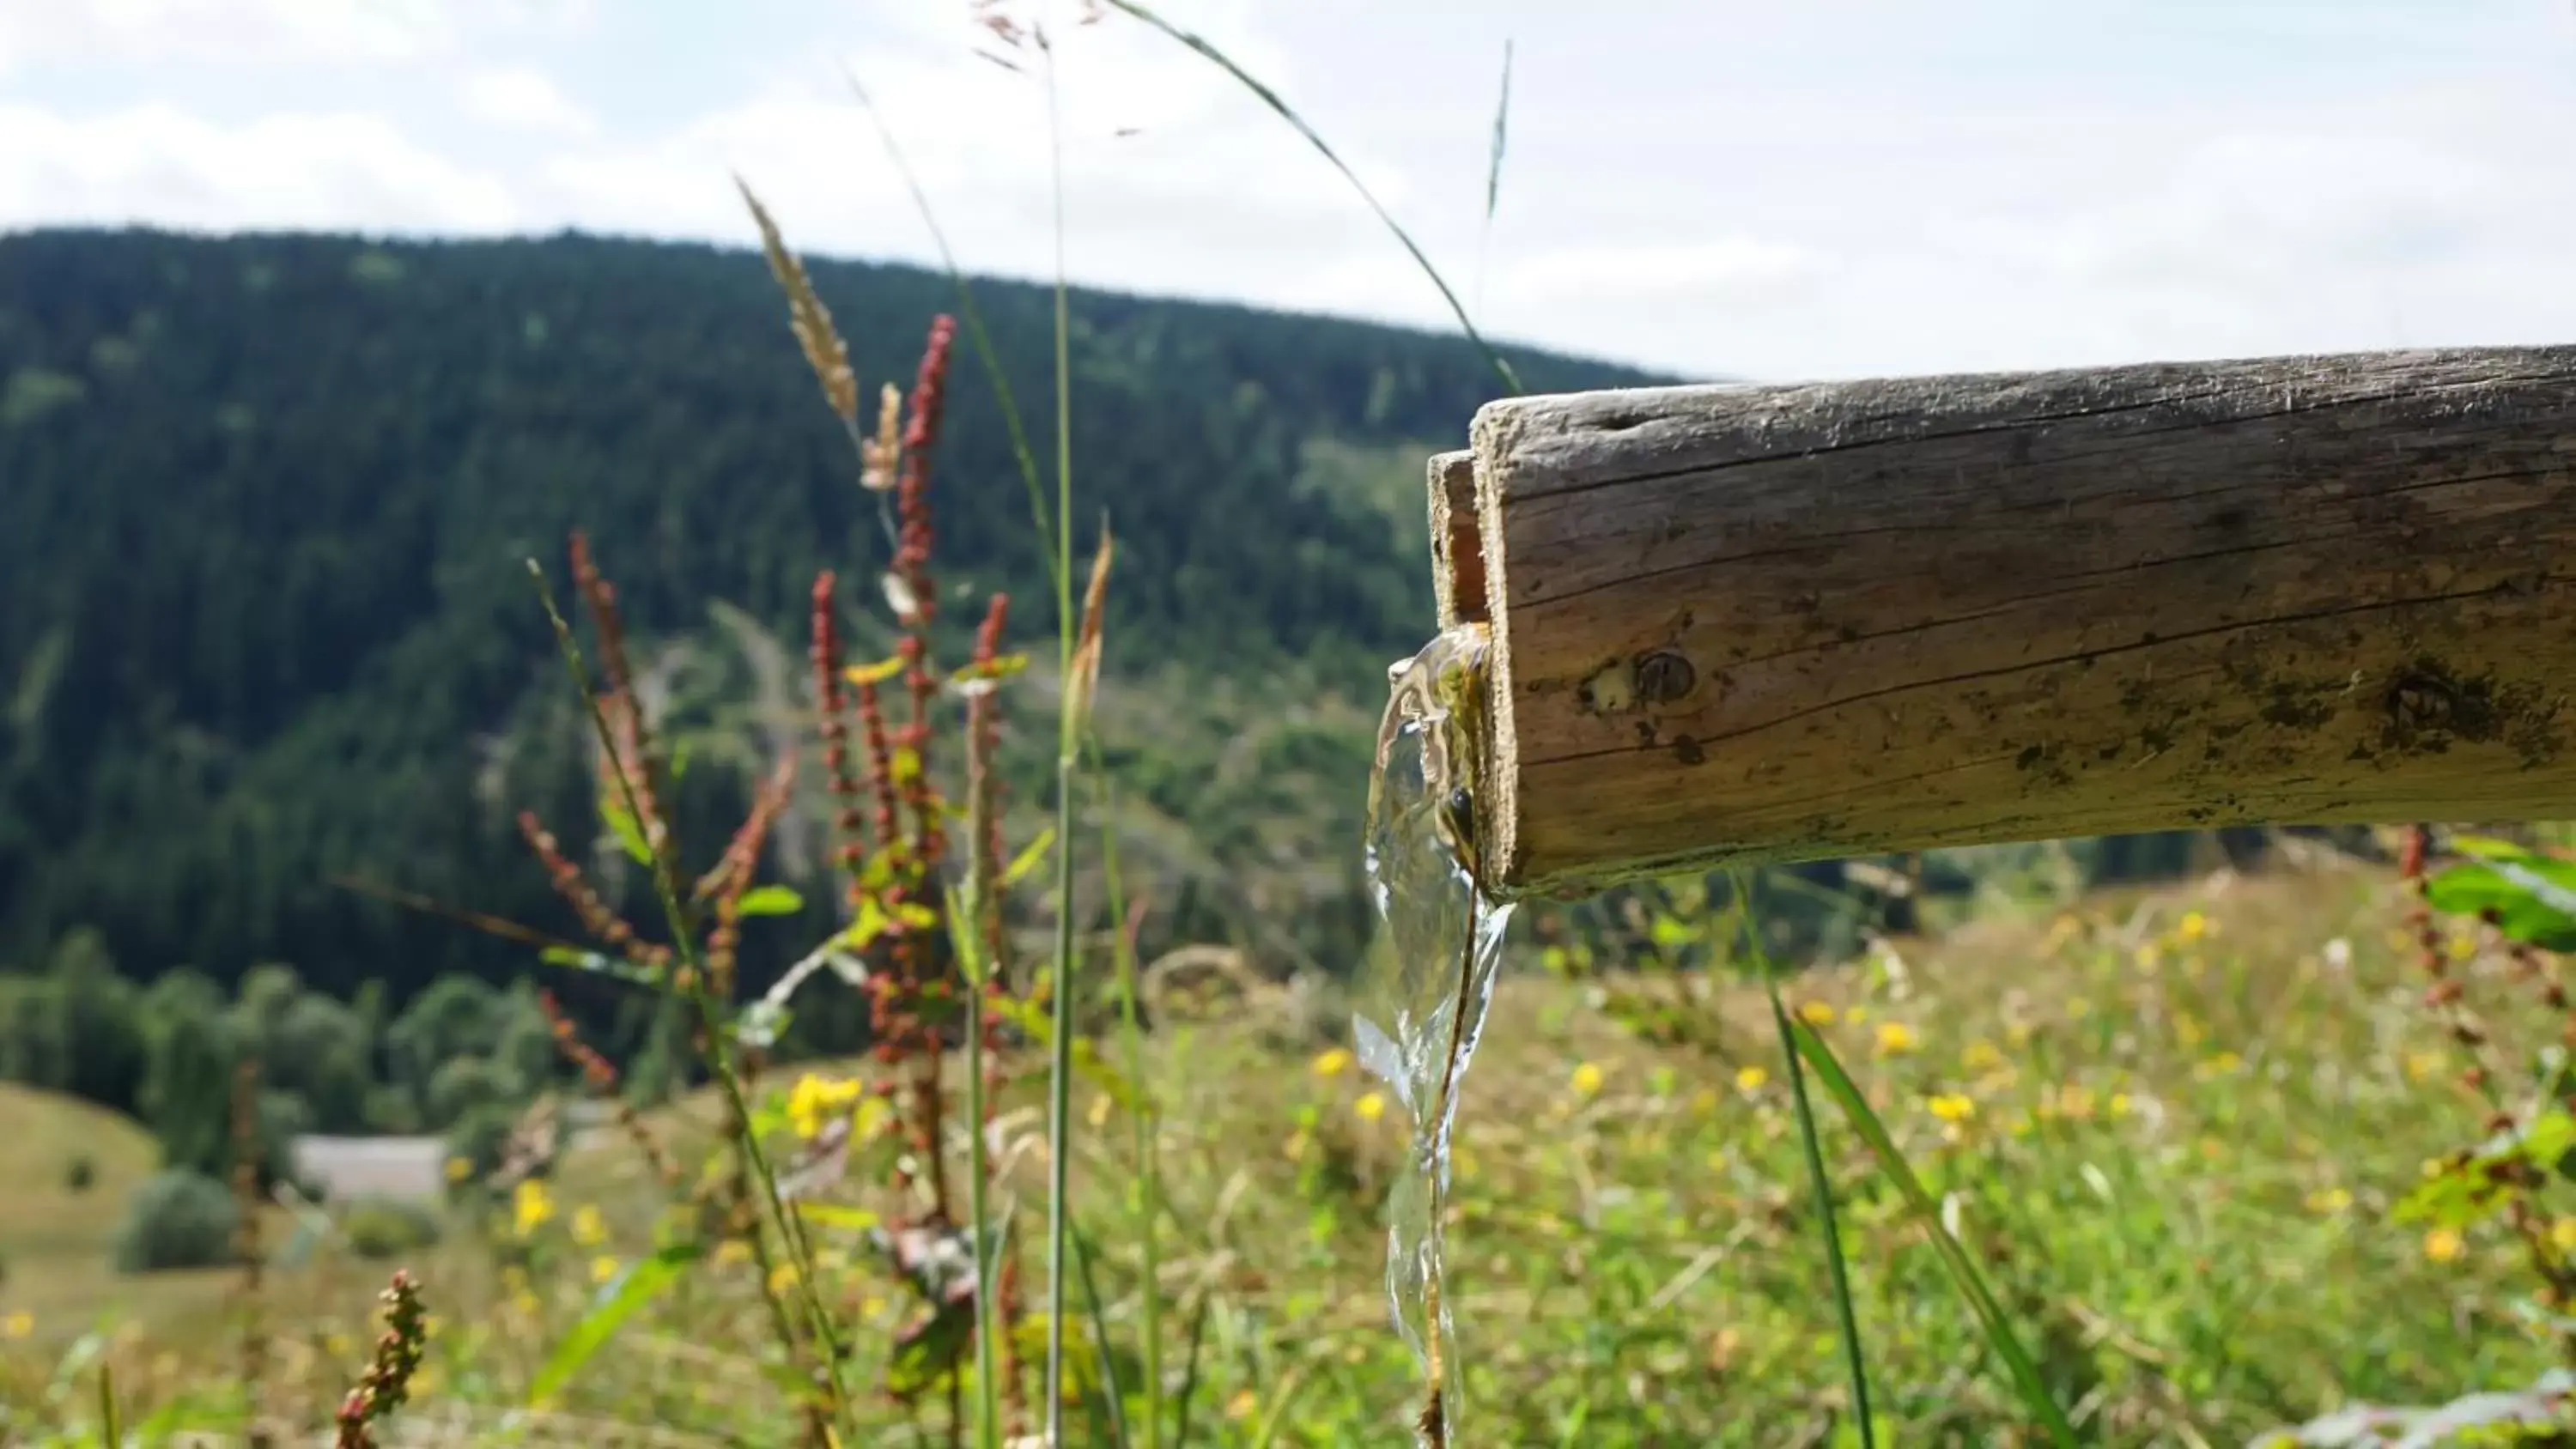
2180	1161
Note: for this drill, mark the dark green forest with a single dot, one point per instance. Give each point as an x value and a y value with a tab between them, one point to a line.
266	501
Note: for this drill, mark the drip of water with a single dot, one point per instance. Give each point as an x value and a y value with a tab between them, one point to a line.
1430	970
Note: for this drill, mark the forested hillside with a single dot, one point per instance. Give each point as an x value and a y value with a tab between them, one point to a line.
265	503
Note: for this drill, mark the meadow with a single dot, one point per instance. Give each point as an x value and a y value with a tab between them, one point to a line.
2175	1127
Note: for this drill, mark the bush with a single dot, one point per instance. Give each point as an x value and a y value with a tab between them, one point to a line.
387	1228
177	1219
79	1173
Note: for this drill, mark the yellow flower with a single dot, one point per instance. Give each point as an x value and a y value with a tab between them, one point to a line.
2148	956
18	1324
1952	1106
1098	1115
1294	1149
2077	1008
1717	1162
2191	927
2463	947
1750	1079
530	1208
587	1228
782	1277
2445	1245
1333	1062
1815	1013
1855	1014
524	1304
459	1169
1243	1405
733	1250
1586	1080
815	1101
2420	1066
2562	1235
2327	1201
2220	1065
1894	1037
602	1268
1981	1056
1371	1106
2119	1104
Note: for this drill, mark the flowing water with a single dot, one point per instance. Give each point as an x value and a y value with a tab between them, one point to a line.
1430	971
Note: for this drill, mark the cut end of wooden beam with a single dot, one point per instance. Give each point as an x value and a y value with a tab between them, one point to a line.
1498	808
1457	552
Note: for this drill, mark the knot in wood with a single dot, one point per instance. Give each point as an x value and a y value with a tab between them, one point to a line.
2420	702
1664	676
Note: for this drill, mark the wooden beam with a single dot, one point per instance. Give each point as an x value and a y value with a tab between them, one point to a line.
1780	623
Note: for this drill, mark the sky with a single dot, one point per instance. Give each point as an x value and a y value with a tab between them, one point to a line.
1774	189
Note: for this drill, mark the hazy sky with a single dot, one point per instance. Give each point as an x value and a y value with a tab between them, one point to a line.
1789	188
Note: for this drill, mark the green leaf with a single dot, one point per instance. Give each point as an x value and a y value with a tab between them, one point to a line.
1031	856
769	900
614	814
838	1218
640	1283
2532	899
597	963
1962	1269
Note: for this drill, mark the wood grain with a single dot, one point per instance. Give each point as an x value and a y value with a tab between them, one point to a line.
1779	623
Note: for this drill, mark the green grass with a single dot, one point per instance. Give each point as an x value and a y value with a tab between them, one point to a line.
2176	1175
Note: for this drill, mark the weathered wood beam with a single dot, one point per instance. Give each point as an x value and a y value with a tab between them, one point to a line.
1779	623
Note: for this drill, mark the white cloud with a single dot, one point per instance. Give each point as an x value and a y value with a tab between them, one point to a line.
267	32
523	99
158	164
1713	186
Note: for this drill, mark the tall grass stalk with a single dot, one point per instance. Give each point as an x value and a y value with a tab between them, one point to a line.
1055	537
1208	49
718	1049
1068	753
1819	1182
965	930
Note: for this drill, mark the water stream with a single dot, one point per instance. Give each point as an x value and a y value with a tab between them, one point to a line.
1429	974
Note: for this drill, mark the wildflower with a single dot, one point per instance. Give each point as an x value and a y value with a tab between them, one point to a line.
603	1268
2119	1104
2562	1235
1894	1037
1815	1013
1981	1056
1952	1106
1856	1014
1332	1062
1717	1162
2075	1102
587	1227
733	1250
18	1324
816	1100
2148	956
1371	1106
2192	927
1586	1080
1294	1149
872	1307
1243	1405
2422	1066
530	1208
782	1277
459	1169
2445	1245
1750	1079
2328	1201
2463	947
